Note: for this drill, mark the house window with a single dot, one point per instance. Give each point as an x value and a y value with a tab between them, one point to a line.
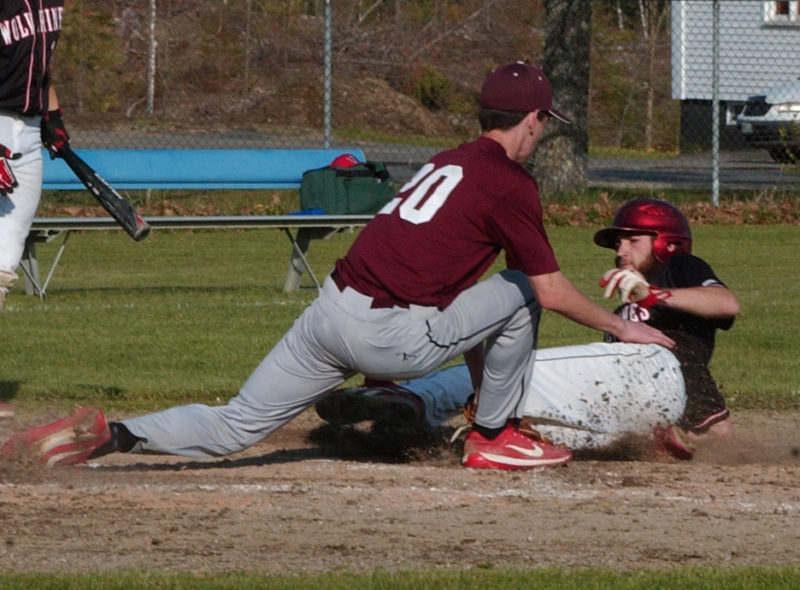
785	12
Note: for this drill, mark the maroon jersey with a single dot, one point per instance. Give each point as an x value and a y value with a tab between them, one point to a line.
447	225
29	31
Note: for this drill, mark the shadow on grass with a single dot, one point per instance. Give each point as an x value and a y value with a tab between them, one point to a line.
237	290
9	390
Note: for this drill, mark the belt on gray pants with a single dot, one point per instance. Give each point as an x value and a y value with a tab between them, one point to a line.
377	302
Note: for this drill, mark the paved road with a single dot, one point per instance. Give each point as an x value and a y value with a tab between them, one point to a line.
741	170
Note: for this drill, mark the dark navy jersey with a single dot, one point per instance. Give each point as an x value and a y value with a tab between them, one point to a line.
694	338
29	31
447	225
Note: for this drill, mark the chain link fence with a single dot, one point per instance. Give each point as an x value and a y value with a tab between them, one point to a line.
670	102
735	74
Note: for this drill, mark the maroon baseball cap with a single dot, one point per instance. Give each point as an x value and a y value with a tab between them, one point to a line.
519	87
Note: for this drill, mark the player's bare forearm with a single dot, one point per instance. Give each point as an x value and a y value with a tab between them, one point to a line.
557	294
714	301
52	99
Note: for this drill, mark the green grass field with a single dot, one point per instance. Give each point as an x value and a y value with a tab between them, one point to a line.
772	578
186	316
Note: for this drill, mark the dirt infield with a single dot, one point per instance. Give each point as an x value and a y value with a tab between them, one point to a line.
309	499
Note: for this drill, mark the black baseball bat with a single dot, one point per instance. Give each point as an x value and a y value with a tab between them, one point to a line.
120	209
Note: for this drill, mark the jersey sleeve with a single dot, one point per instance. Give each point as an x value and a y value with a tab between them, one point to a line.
686	270
518	227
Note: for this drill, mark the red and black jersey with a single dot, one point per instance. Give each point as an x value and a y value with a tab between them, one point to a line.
694	338
447	225
29	31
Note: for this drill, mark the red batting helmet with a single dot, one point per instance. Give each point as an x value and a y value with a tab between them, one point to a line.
652	217
344	161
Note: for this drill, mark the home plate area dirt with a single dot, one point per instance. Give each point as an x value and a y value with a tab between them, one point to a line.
314	499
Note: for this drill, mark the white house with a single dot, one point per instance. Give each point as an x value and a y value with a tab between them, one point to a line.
759	47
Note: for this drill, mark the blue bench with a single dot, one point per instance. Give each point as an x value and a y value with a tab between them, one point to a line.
193	170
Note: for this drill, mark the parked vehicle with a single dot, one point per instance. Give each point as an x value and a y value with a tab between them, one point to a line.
772	121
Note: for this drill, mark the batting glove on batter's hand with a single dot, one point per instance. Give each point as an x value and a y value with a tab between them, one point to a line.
7	179
632	286
54	134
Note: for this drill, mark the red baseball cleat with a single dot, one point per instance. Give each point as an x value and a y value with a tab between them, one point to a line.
67	441
674	441
512	450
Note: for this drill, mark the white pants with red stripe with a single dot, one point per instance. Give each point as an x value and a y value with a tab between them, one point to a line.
585	396
17	210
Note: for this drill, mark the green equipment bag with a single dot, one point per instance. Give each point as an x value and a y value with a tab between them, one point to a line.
358	190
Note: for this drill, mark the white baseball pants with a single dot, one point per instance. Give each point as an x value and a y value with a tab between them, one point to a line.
584	396
17	210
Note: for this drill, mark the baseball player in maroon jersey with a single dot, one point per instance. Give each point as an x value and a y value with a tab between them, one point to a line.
404	300
29	118
588	396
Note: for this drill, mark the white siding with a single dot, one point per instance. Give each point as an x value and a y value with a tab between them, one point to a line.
754	55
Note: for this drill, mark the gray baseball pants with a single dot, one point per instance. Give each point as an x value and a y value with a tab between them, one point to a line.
340	334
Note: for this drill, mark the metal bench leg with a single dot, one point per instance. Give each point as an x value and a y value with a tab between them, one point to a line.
298	261
30	269
55	262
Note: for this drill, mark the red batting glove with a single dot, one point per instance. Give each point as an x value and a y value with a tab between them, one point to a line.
654	296
54	134
7	179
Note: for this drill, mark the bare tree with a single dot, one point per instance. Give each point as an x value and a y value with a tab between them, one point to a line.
562	157
653	19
